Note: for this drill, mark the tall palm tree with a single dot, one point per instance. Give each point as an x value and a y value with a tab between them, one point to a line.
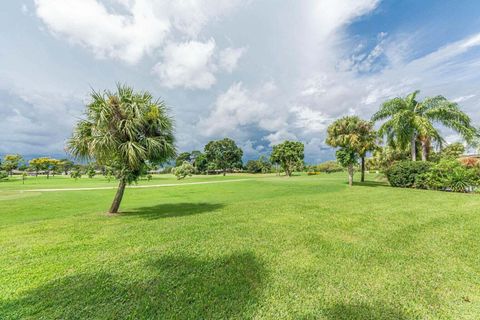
124	130
410	121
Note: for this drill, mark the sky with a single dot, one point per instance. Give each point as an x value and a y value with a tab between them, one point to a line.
259	72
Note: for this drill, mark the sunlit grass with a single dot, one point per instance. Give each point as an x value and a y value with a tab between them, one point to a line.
268	247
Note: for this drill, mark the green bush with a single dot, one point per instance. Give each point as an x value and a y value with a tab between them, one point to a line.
450	175
185	169
329	167
403	174
3	175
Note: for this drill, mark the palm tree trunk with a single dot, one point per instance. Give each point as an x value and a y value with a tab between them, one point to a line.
362	179
118	197
424	150
414	147
350	175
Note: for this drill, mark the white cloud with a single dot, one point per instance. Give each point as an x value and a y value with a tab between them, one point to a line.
463	98
193	64
89	23
229	57
127	30
238	107
188	64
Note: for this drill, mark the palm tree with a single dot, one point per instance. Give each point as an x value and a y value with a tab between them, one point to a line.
410	121
124	130
355	136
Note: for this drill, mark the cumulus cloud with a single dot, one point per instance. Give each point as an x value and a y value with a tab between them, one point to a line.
187	64
127	30
229	57
108	34
239	107
193	64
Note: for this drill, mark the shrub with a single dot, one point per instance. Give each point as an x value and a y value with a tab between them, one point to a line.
403	174
3	175
329	167
313	173
185	169
450	175
76	174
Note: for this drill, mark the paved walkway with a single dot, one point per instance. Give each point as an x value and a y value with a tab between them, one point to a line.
134	186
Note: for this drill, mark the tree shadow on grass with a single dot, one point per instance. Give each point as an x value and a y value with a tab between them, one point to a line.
172	287
169	210
372	184
363	312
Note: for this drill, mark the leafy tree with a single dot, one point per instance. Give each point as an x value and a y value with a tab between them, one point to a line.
347	158
66	165
182	157
76	172
289	155
54	166
183	170
410	120
261	165
91	171
44	164
352	134
224	154
124	129
199	160
11	162
454	150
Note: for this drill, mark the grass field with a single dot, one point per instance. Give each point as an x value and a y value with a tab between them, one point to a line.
306	247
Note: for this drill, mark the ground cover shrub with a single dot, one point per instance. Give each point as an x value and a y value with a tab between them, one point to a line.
450	175
404	173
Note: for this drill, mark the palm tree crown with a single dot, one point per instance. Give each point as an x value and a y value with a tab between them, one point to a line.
125	130
409	120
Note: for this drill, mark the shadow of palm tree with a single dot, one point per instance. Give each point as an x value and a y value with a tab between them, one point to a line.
169	210
171	287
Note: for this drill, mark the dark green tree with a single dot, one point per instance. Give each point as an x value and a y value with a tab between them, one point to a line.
224	154
289	155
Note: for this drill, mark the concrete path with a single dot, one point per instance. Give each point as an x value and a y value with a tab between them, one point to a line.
133	186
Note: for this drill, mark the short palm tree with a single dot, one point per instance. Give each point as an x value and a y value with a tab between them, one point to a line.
356	137
410	121
124	130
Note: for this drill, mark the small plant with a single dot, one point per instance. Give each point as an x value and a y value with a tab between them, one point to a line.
149	177
76	174
185	169
91	172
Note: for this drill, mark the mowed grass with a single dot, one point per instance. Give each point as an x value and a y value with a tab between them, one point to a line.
306	247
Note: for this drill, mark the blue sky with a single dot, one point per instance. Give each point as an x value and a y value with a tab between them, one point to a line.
257	71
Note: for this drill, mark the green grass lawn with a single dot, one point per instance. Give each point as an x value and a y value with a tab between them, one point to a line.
306	247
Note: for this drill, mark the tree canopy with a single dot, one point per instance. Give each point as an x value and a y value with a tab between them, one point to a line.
224	154
409	120
124	129
289	155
